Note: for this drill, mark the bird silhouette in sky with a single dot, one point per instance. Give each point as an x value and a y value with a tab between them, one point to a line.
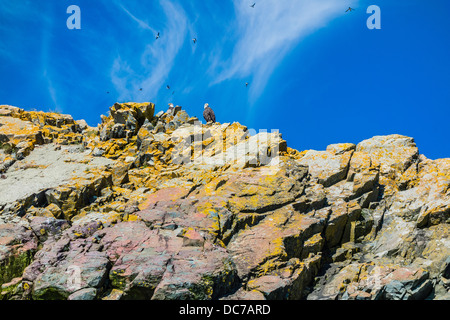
246	84
253	5
140	89
349	9
194	40
168	87
157	36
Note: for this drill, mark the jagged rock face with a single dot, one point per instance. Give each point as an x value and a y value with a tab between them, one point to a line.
160	206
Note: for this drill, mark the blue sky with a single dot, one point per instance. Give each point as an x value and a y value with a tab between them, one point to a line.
316	73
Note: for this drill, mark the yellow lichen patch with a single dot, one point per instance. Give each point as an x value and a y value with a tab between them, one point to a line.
339	148
121	191
10	111
276	248
30	165
143	133
313	245
115	294
69	138
211	187
360	162
117	206
189	233
389	184
15	127
20	134
294	154
133	217
207	142
271	265
138	176
317	238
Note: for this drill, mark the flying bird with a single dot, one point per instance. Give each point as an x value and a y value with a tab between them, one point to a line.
157	36
246	84
253	5
349	9
140	89
168	87
208	114
194	40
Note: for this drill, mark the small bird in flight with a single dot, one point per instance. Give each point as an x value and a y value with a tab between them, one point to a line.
157	36
349	9
253	5
246	84
168	87
194	40
140	89
107	92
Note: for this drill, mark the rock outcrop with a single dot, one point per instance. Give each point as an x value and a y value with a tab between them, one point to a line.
161	206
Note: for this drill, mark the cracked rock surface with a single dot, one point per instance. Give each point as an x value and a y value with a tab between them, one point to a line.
160	206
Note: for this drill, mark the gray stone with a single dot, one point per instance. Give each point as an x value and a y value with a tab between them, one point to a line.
446	269
45	168
45	227
159	114
69	274
84	294
98	152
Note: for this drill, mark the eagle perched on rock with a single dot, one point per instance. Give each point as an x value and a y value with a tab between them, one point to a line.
208	114
171	108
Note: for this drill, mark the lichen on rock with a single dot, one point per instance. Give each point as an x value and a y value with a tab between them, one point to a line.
160	206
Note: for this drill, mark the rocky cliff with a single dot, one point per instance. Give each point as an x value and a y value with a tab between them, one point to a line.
160	206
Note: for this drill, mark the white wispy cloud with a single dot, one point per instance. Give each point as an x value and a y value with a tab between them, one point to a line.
48	71
52	92
156	59
17	50
142	23
267	32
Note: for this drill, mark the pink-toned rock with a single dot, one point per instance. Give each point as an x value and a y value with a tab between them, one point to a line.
17	247
164	195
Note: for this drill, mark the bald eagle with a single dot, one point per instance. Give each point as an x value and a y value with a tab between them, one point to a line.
208	114
171	108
